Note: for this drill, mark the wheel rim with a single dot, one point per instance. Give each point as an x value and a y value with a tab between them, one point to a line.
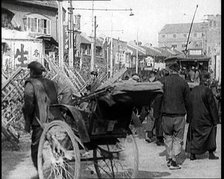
58	152
117	161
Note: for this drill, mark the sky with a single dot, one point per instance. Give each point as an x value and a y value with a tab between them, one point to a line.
149	16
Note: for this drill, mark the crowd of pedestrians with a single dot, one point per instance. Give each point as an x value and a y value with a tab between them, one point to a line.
167	115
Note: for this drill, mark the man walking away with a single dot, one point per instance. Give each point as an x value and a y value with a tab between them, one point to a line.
175	104
39	94
201	136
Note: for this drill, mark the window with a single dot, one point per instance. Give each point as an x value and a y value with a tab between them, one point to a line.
174	46
185	35
174	35
163	36
37	23
183	45
195	34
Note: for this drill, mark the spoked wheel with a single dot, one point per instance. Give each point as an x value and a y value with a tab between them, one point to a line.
117	161
58	152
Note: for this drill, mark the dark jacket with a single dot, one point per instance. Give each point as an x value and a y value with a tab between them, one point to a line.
39	94
176	96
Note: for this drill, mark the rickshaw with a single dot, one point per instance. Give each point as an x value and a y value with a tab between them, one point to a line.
187	61
92	137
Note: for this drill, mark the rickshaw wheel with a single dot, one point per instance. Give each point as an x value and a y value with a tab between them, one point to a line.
117	161
58	152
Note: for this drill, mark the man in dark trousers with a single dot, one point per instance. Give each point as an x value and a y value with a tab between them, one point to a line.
201	136
175	105
39	94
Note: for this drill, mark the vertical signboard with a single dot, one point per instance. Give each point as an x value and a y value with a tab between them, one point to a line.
21	53
218	68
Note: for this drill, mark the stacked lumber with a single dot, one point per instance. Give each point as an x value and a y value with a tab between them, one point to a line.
58	74
75	78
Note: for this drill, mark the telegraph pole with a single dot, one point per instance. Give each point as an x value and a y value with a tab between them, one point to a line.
60	35
107	57
93	56
71	36
136	70
190	30
111	50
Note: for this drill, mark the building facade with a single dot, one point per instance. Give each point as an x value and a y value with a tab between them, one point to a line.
214	44
176	35
35	17
29	32
204	39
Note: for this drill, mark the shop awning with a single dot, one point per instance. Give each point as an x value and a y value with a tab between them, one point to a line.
48	38
187	59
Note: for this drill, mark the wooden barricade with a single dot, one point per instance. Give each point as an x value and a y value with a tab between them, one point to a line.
13	91
12	99
75	77
113	79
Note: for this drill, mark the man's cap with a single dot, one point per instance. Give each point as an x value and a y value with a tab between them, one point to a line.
36	67
174	67
154	71
135	77
93	73
205	75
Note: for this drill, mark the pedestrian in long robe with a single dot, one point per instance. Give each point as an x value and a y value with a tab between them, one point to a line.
201	136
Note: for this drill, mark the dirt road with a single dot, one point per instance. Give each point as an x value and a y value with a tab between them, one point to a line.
17	164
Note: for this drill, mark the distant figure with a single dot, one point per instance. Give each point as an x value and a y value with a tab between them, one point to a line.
175	105
150	125
156	105
126	78
135	78
201	136
192	74
94	82
152	76
197	76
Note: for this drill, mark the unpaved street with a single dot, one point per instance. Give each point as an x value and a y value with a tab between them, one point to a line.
18	165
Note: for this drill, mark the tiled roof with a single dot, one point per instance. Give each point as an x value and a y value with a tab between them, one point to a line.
181	28
46	3
152	52
84	39
166	52
133	49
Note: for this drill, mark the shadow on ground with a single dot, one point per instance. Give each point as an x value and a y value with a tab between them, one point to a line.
180	159
12	156
10	160
148	174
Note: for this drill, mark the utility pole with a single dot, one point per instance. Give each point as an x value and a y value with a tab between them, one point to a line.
136	70
71	36
190	30
111	50
107	58
93	56
60	35
92	40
